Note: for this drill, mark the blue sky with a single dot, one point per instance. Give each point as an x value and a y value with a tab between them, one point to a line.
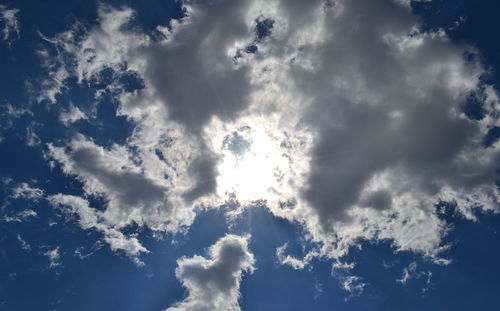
249	155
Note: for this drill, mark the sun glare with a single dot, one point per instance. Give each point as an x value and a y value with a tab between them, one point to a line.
252	165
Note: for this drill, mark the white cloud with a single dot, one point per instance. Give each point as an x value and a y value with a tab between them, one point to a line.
32	138
295	263
90	218
8	17
201	64
383	103
412	272
56	71
358	111
318	289
82	254
15	111
350	283
213	283
53	255
72	115
25	191
353	285
24	245
134	194
21	216
20	191
408	273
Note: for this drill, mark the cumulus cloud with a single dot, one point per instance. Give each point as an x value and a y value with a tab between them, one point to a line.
213	283
352	115
206	82
10	29
177	163
384	103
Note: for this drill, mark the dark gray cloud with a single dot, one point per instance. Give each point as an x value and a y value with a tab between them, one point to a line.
131	188
204	171
193	73
379	105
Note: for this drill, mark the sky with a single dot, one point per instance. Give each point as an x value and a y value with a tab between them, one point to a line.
249	155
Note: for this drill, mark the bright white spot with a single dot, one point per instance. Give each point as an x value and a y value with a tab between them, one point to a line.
252	167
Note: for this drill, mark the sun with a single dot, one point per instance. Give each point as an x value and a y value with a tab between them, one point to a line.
252	165
260	158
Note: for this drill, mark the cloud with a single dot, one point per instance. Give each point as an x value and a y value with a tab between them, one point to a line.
132	196
72	115
383	102
24	245
111	46
25	191
53	255
412	272
80	252
353	285
192	79
295	263
213	283
32	138
12	111
19	191
21	216
10	30
91	218
207	82
359	110
350	283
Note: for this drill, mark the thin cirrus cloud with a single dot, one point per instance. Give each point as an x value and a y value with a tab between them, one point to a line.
359	110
